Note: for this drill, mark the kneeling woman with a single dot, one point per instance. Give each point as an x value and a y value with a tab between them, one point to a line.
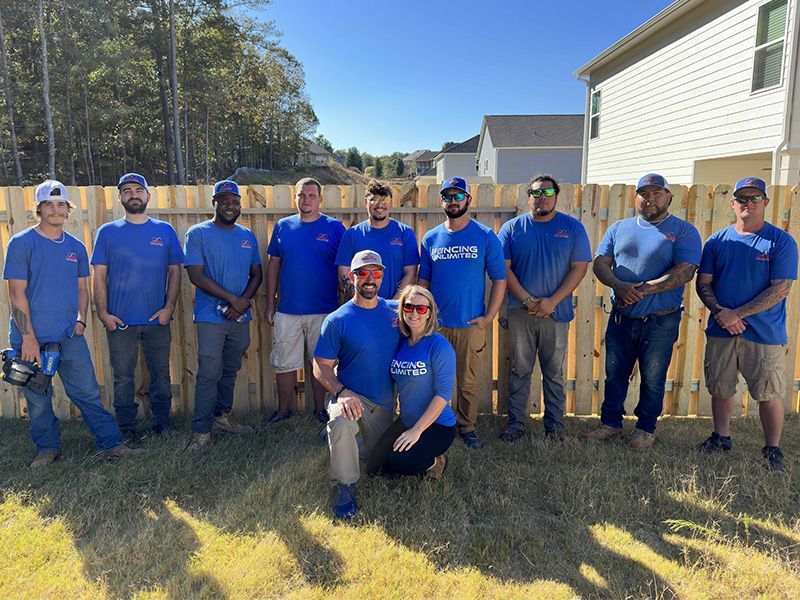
424	369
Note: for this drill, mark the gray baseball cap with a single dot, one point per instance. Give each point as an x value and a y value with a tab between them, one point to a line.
364	258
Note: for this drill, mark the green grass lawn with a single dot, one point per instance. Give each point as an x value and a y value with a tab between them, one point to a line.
250	518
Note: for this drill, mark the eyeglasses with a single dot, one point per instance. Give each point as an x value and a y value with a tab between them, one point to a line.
422	309
746	199
364	273
548	192
458	197
378	200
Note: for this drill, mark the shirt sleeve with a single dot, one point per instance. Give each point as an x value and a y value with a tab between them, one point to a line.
344	253
505	239
329	340
495	263
256	256
784	259
443	362
689	248
274	247
410	249
83	261
175	250
17	260
99	251
425	265
581	248
193	248
707	257
606	246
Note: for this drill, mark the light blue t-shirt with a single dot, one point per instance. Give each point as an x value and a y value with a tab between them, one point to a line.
309	283
642	251
138	258
541	255
52	270
422	371
742	266
456	264
396	244
226	255
364	341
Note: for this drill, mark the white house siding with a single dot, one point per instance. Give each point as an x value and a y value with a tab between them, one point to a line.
456	165
687	97
487	159
518	166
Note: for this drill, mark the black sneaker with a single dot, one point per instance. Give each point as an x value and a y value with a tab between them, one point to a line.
129	437
775	457
510	435
164	430
472	440
321	416
554	435
715	443
277	417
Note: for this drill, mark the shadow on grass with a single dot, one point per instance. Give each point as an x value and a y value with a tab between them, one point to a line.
593	518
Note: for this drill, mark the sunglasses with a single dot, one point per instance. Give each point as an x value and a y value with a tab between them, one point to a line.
378	200
746	199
547	192
364	273
458	197
422	309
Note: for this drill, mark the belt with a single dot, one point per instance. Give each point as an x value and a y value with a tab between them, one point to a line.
658	313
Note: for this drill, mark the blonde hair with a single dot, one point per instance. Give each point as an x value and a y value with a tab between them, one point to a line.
433	321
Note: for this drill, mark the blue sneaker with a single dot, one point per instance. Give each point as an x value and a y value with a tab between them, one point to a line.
345	507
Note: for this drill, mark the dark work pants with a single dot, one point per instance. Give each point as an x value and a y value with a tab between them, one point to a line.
435	440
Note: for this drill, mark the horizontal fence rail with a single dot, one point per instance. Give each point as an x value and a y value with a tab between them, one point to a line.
596	206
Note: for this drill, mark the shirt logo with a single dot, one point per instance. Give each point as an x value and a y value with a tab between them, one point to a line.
323	237
396	322
561	233
670	236
72	257
763	256
454	252
156	241
396	241
246	244
413	368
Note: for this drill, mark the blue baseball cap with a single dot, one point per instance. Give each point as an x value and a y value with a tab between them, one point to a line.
652	179
226	186
751	182
132	178
455	182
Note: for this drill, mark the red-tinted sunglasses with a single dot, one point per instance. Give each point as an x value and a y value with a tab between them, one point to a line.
422	309
364	273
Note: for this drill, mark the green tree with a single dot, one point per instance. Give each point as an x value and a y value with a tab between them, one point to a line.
378	167
353	159
399	167
324	142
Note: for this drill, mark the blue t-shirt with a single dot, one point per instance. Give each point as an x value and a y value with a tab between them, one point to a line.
364	341
309	283
226	255
395	243
541	255
742	266
52	270
456	264
422	371
642	252
138	257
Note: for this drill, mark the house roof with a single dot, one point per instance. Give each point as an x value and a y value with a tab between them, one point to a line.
640	34
426	156
533	131
414	155
315	148
469	146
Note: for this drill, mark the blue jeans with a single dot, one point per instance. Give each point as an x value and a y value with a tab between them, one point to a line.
650	341
220	347
77	374
123	346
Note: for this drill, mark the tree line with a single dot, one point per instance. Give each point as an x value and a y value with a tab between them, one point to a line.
184	91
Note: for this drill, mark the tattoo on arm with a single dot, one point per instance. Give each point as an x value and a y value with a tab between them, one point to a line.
347	288
777	291
678	275
706	293
21	319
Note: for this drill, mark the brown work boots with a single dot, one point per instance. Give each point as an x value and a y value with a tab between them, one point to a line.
225	423
436	471
603	433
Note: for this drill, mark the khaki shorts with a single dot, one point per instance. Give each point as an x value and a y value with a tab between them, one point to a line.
293	333
763	367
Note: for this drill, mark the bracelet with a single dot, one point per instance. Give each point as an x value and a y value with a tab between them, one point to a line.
527	300
81	322
341	389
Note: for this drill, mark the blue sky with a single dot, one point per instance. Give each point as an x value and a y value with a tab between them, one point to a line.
386	76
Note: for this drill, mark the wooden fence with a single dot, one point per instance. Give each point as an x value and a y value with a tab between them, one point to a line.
596	206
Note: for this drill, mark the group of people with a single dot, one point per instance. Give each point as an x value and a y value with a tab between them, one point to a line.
379	316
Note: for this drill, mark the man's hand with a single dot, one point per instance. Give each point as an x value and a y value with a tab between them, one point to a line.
532	306
269	313
351	405
240	305
110	322
164	315
231	314
627	294
544	309
480	322
737	328
30	350
406	439
79	329
726	317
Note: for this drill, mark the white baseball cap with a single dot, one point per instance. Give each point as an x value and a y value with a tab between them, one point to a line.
51	190
364	258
